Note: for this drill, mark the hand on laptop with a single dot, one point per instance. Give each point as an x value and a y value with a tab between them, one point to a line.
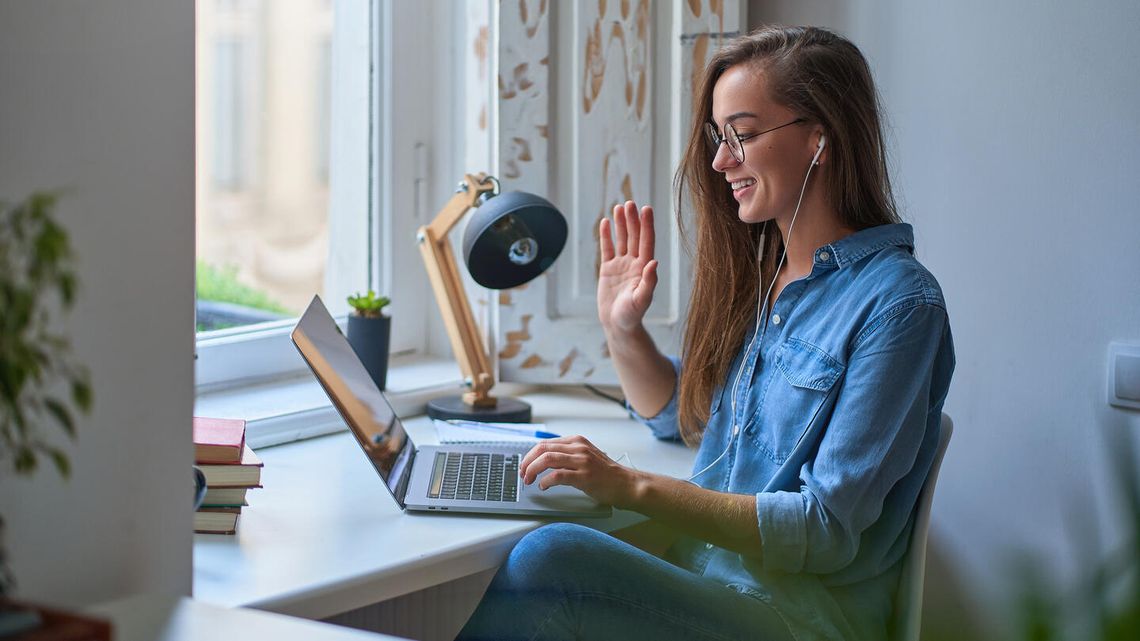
575	461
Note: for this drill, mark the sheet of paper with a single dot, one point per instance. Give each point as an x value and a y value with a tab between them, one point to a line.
453	433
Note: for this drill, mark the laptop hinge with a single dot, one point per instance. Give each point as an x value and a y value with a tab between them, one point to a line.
401	489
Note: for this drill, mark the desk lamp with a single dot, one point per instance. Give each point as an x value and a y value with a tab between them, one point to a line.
510	240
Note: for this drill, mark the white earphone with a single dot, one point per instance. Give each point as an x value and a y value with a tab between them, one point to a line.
819	149
763	303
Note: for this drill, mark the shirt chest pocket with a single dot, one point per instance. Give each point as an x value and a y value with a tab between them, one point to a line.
793	397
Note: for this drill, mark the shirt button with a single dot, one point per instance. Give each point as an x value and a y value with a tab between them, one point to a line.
776	319
824	257
708	546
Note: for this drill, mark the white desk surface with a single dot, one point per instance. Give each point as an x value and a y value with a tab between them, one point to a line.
168	618
324	536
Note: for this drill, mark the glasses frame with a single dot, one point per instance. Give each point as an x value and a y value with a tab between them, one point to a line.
732	136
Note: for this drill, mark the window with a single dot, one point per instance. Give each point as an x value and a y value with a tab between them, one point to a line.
313	174
230	164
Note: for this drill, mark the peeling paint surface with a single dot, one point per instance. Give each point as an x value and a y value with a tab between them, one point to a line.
516	339
565	363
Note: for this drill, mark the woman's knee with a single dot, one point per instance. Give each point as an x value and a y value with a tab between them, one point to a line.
555	553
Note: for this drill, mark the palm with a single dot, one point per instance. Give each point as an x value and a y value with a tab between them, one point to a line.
627	274
618	279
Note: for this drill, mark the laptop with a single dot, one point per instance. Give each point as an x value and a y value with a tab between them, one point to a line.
463	478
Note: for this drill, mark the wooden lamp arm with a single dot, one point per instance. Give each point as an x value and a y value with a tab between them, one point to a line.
449	294
463	200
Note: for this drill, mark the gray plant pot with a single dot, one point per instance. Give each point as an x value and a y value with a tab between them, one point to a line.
369	338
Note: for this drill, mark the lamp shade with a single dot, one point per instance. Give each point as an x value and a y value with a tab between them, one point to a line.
512	238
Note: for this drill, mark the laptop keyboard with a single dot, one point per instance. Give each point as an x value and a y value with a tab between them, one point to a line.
464	476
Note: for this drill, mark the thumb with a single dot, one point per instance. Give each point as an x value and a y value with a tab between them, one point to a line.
643	294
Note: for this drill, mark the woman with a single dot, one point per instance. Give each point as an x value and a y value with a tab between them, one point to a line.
817	356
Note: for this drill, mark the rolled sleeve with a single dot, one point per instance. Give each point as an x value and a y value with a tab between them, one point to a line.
664	424
860	487
782	530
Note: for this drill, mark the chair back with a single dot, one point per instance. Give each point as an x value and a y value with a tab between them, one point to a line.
908	601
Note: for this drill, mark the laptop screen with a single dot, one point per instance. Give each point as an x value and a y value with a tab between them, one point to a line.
362	405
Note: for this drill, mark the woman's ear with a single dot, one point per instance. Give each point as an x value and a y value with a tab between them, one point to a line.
819	149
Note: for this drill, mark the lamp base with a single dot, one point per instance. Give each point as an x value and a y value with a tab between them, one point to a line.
506	410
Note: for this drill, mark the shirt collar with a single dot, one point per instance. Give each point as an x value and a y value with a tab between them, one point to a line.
855	247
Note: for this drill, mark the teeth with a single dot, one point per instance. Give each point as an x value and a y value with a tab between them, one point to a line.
740	184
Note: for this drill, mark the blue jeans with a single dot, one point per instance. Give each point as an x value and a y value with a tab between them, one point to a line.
566	581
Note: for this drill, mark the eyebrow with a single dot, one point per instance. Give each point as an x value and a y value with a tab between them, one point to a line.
740	114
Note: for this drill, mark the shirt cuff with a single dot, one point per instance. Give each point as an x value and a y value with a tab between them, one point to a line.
664	424
783	530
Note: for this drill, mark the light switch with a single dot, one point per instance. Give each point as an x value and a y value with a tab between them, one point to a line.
1124	375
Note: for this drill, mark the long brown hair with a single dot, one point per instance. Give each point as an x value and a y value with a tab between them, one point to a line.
823	78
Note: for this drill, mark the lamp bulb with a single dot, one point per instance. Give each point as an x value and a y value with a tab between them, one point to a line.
523	251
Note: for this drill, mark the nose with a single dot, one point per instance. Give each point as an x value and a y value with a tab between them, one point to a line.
723	159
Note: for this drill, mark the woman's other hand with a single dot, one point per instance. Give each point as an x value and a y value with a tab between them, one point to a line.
575	461
628	273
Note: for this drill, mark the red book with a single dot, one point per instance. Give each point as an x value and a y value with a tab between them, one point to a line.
218	440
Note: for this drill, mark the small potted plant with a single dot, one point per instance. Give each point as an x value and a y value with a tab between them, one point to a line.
369	331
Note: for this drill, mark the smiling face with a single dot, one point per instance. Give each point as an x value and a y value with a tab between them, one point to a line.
767	184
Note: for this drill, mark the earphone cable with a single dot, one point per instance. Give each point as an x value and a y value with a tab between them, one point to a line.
760	305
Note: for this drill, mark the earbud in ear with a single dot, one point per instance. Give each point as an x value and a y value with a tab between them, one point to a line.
819	149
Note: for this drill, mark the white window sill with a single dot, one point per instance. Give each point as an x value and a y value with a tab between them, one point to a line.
294	408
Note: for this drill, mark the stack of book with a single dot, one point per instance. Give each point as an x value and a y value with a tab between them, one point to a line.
231	469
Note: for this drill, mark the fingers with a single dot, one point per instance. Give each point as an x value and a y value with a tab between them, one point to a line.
559	477
620	231
551	460
648	236
539	449
633	225
605	239
633	233
563	444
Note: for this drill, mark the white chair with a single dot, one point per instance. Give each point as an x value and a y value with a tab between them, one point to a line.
908	601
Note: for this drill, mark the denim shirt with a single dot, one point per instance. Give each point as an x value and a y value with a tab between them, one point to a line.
839	409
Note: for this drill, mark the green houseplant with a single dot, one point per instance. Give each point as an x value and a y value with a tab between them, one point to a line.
41	385
369	333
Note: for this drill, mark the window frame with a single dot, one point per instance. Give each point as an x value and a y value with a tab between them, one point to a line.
367	249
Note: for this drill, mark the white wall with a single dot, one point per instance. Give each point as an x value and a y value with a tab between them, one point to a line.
97	98
1015	132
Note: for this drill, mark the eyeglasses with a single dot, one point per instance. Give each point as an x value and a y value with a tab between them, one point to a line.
734	140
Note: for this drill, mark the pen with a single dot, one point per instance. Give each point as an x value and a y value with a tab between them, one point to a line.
490	427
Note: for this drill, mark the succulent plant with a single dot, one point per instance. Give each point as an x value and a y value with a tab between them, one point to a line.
369	305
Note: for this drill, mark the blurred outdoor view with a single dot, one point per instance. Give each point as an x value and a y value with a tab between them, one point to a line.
263	87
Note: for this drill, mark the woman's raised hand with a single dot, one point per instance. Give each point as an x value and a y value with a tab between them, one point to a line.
628	272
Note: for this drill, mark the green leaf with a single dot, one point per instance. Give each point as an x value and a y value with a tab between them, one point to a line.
370	304
25	460
62	464
67	287
61	414
19	421
81	393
